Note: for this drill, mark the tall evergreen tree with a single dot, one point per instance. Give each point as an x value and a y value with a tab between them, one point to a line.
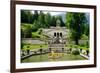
47	19
41	19
53	21
26	16
76	23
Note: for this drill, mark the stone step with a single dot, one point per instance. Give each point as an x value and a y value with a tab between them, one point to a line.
56	45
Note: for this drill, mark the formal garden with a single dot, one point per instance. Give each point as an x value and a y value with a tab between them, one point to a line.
54	36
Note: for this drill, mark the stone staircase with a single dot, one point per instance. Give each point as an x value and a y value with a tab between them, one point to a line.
56	45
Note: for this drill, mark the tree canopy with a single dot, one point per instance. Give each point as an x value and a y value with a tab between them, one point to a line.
76	23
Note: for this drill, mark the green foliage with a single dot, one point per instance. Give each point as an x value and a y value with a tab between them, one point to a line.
35	15
39	31
75	22
26	16
35	26
86	29
53	21
47	20
34	46
26	30
76	46
75	52
22	45
35	35
39	34
39	19
84	37
84	47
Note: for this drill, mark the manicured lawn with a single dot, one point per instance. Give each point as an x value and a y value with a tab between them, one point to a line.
35	46
37	35
73	46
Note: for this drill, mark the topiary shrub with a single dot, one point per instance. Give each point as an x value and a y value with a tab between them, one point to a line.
75	52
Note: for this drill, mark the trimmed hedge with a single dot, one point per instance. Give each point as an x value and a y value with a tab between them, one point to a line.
75	52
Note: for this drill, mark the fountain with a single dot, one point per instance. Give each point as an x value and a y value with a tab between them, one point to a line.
55	55
56	44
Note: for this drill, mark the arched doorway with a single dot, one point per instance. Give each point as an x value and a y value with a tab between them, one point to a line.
54	34
60	34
